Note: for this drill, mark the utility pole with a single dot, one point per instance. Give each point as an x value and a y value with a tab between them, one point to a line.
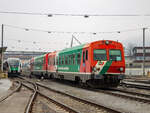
144	51
2	47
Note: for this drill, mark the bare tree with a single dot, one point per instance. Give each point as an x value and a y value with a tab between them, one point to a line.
129	49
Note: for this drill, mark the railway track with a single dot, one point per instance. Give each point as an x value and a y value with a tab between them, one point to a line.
126	94
135	85
132	92
141	81
69	102
38	93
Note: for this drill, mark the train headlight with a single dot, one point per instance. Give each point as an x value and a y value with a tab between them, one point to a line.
94	69
121	69
107	42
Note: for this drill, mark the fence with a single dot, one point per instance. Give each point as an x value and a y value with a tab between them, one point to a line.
136	71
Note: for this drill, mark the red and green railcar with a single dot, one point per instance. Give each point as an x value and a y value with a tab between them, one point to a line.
38	65
97	64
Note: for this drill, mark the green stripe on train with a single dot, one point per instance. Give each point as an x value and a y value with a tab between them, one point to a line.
14	68
105	68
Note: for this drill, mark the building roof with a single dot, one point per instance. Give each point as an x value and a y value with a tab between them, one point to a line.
141	47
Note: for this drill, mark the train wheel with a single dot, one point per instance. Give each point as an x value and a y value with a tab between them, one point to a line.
51	76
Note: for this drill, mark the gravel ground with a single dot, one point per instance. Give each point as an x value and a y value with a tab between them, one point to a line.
136	90
5	84
107	100
77	105
42	105
16	103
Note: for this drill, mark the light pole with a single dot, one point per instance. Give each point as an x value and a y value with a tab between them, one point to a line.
144	51
2	47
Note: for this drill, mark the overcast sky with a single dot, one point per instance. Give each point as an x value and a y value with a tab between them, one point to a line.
18	39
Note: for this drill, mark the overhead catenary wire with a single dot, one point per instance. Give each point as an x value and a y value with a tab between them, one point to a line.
63	14
40	30
74	32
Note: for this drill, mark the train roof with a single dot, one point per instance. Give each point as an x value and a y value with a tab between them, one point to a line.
87	45
13	59
39	56
73	48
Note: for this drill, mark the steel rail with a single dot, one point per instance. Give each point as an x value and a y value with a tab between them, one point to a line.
30	103
17	89
82	100
71	110
135	86
131	92
126	96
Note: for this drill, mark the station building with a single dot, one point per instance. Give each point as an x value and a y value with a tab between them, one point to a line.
134	63
23	55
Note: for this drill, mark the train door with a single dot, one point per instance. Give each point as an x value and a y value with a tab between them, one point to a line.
85	61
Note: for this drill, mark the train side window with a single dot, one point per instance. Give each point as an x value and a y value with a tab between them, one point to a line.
48	60
62	60
73	58
44	60
69	59
86	54
56	60
78	58
59	60
66	60
83	57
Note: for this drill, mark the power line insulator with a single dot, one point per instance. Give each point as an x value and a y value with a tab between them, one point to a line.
86	16
49	15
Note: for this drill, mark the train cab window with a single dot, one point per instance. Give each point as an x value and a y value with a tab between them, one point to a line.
115	55
83	57
78	58
86	54
100	54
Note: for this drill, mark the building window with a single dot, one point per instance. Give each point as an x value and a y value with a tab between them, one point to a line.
147	50
139	51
